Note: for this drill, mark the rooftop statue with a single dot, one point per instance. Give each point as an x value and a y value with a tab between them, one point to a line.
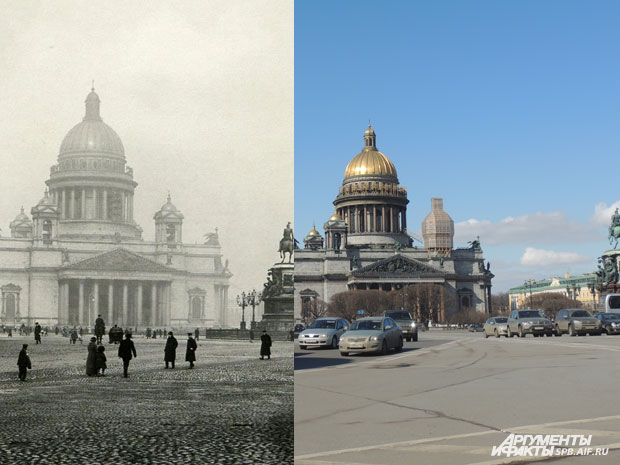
614	229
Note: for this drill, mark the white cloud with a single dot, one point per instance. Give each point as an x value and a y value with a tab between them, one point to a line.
537	228
545	258
602	213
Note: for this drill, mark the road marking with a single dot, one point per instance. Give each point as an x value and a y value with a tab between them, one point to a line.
456	436
390	358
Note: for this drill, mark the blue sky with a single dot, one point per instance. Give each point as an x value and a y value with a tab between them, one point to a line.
508	110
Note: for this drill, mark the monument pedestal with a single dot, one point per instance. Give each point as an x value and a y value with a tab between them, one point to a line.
278	300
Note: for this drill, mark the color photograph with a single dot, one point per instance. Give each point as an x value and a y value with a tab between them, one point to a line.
456	286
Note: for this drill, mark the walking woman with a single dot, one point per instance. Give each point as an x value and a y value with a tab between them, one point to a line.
91	360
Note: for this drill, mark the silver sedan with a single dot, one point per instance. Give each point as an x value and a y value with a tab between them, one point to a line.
496	326
323	332
372	334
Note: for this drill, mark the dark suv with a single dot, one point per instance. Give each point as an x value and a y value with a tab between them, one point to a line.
405	321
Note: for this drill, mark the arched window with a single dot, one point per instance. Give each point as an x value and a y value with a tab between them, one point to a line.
47	229
170	233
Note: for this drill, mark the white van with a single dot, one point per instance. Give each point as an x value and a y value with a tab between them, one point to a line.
612	303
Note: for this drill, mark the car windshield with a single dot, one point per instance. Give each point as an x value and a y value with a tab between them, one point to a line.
319	324
364	325
581	314
529	314
501	320
611	316
399	315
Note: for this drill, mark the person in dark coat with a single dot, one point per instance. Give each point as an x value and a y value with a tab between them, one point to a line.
23	362
170	352
37	333
74	335
197	334
265	345
125	351
101	364
190	353
99	329
91	360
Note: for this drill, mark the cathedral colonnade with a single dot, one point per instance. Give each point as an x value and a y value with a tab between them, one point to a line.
369	218
94	203
124	302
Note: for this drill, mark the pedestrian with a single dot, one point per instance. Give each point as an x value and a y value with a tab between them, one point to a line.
99	329
265	345
125	351
74	335
10	332
56	330
91	360
101	361
37	333
170	352
197	334
190	353
23	362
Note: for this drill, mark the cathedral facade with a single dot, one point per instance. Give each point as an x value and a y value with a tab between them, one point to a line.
366	244
81	254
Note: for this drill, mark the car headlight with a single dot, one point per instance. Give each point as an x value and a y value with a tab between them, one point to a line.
413	325
375	338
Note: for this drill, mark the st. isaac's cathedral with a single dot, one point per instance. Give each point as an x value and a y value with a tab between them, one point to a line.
81	254
366	244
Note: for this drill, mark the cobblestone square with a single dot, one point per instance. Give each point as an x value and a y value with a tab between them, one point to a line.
232	408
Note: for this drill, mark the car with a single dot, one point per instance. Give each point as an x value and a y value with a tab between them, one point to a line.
496	326
475	327
610	322
523	322
323	332
299	328
576	321
372	335
405	321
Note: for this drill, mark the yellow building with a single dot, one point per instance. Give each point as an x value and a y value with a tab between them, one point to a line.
579	288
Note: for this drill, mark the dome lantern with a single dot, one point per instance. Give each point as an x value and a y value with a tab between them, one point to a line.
92	106
370	138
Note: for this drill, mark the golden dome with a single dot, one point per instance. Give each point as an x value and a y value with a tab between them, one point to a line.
314	232
335	217
370	163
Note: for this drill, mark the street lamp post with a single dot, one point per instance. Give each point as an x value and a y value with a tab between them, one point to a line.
403	295
529	283
242	301
254	299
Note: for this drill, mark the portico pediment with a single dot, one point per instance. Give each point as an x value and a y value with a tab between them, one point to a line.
118	260
398	266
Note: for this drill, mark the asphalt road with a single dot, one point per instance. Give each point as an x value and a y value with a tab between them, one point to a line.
452	396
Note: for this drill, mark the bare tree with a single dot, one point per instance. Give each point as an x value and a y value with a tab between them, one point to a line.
553	302
500	303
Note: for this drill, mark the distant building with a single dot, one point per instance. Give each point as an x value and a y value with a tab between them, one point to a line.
579	288
82	254
367	246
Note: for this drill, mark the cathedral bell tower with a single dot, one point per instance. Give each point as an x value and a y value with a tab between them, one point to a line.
168	225
45	216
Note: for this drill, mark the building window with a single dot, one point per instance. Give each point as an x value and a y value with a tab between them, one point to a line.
10	304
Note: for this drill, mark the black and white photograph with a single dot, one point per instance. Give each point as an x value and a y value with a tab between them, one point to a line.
146	232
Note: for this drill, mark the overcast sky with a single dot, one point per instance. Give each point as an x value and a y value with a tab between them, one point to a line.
508	110
200	93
